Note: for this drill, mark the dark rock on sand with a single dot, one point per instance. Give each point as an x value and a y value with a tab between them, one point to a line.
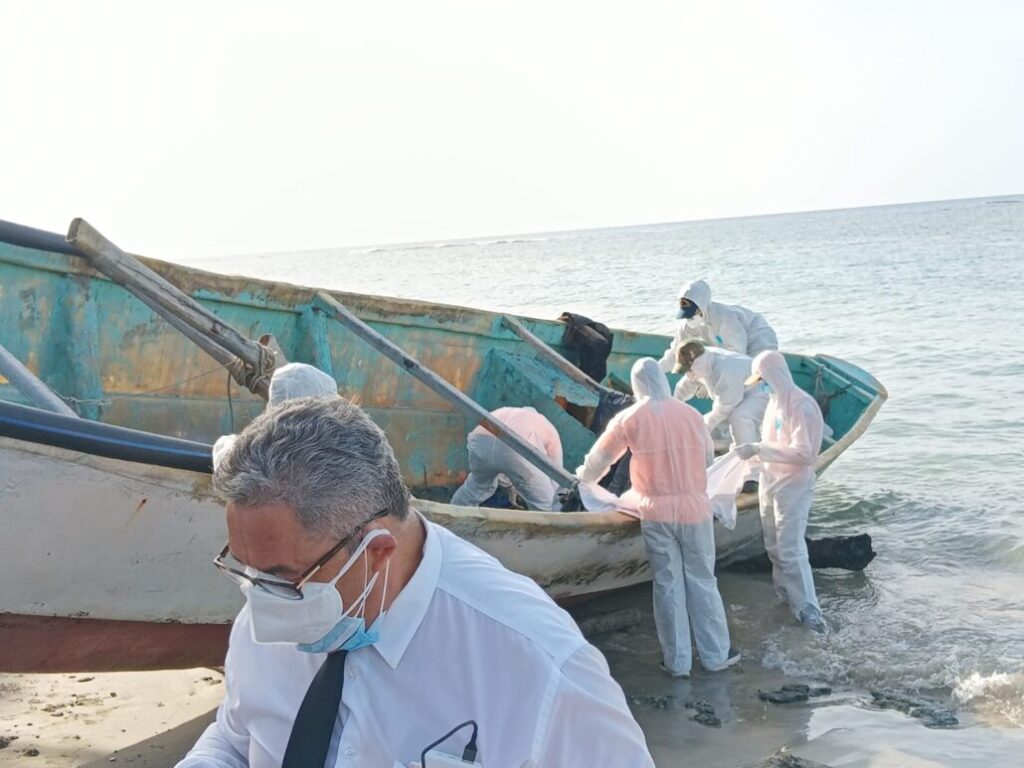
705	714
793	693
612	621
931	713
851	553
789	761
654	701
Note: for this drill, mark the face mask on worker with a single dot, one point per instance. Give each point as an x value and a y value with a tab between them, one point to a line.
687	311
319	622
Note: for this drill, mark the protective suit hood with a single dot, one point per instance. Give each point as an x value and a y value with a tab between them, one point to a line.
771	366
648	380
299	380
699	292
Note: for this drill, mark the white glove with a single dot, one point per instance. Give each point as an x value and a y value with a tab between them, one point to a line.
746	450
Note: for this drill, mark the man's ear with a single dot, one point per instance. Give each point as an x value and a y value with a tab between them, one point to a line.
380	550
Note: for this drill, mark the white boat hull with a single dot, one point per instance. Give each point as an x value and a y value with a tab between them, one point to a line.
93	539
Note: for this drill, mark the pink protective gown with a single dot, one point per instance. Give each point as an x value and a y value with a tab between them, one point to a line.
491	461
671	450
790	442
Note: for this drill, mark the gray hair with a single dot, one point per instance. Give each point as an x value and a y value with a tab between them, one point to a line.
324	457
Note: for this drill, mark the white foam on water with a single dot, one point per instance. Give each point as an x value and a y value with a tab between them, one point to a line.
999	695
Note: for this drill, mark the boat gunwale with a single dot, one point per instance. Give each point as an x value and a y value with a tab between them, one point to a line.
394	311
295	298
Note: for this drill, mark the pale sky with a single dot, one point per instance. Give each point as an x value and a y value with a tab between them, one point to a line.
188	129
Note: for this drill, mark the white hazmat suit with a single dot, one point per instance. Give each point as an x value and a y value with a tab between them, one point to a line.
491	461
671	449
723	375
719	325
790	442
289	382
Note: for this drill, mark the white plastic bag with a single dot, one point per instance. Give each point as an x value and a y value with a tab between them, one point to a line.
725	479
598	499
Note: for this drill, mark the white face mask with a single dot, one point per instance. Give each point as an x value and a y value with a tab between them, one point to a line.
277	619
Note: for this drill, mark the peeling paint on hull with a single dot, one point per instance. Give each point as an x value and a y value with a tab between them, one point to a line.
109	545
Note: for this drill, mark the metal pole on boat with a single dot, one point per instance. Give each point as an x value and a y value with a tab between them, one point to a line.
553	357
30	386
215	337
441	387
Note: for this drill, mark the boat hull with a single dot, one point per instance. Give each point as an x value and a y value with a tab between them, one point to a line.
107	563
108	522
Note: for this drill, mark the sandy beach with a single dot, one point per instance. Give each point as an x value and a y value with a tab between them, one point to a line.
150	719
125	718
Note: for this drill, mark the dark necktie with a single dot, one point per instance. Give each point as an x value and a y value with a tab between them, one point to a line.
314	724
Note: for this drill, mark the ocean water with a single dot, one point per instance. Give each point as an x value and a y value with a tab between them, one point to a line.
927	297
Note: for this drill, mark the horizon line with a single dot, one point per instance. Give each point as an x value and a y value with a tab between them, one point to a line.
475	238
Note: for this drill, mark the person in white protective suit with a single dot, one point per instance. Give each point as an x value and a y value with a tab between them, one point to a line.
492	462
723	375
288	382
791	437
731	327
671	450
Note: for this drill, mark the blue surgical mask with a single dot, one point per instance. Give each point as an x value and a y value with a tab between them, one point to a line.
685	313
349	634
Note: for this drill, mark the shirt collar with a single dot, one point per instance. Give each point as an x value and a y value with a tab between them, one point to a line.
407	611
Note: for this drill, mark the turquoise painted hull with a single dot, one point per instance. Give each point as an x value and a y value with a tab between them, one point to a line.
114	360
133	540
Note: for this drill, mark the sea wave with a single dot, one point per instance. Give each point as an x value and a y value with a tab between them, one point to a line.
999	694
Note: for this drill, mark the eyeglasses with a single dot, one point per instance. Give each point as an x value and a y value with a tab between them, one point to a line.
290	590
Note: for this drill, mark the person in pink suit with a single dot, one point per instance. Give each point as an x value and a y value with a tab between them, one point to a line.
671	450
493	463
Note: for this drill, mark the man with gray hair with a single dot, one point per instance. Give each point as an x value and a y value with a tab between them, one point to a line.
372	637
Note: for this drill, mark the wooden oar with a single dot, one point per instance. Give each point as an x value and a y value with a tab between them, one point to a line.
551	356
215	337
436	384
30	386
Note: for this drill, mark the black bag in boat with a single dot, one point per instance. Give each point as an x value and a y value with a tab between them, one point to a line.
591	341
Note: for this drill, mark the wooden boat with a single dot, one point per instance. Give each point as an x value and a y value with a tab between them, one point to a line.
108	521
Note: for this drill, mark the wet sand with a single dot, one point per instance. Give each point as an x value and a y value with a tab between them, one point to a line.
150	719
843	729
156	716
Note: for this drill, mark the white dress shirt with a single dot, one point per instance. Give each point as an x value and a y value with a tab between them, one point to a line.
465	639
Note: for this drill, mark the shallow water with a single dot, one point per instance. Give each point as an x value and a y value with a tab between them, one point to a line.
928	298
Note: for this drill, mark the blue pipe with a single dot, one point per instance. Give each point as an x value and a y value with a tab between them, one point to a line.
34	425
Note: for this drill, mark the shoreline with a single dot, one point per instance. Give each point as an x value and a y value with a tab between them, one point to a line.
151	719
